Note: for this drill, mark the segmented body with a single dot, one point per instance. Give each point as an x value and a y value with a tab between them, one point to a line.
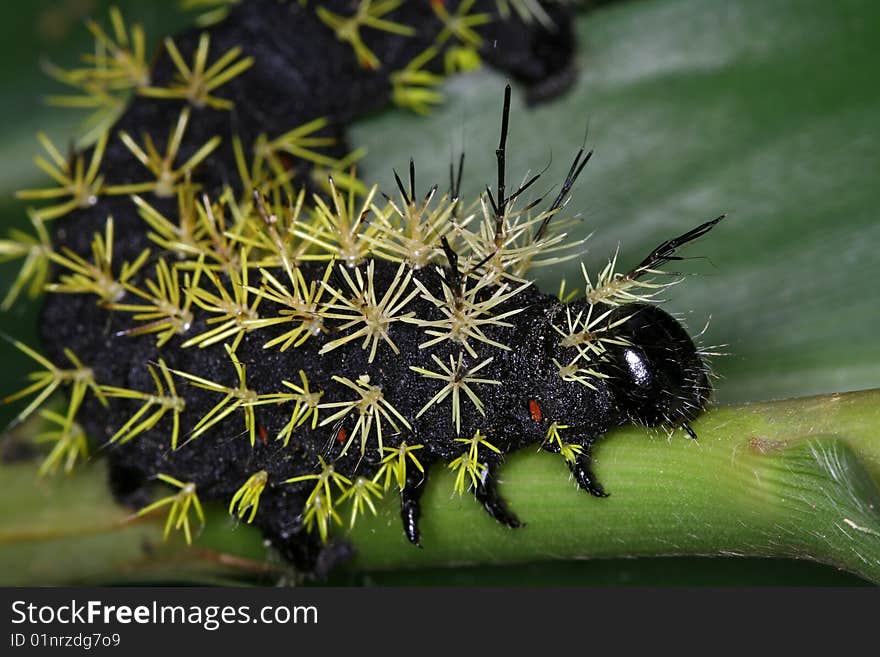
301	421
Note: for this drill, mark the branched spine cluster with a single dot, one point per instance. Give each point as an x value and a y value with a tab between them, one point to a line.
234	254
241	261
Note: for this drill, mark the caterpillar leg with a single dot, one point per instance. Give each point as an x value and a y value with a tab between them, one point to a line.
129	486
487	495
410	507
583	473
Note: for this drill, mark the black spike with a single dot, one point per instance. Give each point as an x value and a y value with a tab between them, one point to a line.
455	179
665	252
500	153
573	172
452	259
492	201
400	186
476	267
531	181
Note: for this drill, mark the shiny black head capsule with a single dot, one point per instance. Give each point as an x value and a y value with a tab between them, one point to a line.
657	377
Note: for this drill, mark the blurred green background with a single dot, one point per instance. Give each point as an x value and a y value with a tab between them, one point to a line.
768	110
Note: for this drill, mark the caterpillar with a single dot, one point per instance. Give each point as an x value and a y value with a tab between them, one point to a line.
246	322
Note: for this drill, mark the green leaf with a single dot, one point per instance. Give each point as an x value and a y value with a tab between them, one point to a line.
68	530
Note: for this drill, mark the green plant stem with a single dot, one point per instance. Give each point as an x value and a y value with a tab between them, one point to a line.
796	478
68	530
792	478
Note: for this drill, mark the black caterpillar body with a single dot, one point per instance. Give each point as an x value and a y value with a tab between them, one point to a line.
643	365
302	72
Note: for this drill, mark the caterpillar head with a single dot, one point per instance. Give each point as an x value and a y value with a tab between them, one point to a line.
657	375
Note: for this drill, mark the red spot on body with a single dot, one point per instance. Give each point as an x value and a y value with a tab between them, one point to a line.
264	437
535	410
342	435
287	162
